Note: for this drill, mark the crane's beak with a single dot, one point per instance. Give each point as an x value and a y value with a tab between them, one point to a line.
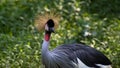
51	30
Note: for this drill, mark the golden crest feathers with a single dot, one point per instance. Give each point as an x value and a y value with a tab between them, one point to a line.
41	20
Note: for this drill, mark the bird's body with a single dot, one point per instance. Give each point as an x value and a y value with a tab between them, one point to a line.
73	56
69	55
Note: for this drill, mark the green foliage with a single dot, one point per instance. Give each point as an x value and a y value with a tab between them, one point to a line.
95	23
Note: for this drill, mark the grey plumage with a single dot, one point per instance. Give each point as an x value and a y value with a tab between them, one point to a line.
65	56
55	59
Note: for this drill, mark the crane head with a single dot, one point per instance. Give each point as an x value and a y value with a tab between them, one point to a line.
49	27
48	22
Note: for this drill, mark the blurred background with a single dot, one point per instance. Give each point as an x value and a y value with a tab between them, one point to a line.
93	22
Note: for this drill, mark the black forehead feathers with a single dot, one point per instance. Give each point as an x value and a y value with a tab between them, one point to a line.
50	23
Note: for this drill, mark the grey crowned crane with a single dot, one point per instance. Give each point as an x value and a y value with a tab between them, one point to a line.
68	55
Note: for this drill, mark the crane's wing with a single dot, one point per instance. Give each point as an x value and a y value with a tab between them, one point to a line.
79	52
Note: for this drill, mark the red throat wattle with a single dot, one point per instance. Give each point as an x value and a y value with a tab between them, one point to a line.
47	37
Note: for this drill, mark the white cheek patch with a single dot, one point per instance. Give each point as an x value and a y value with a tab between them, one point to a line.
46	27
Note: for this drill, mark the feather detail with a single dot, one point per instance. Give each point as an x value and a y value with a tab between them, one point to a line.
42	19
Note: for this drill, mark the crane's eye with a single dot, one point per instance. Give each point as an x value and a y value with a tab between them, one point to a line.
50	23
